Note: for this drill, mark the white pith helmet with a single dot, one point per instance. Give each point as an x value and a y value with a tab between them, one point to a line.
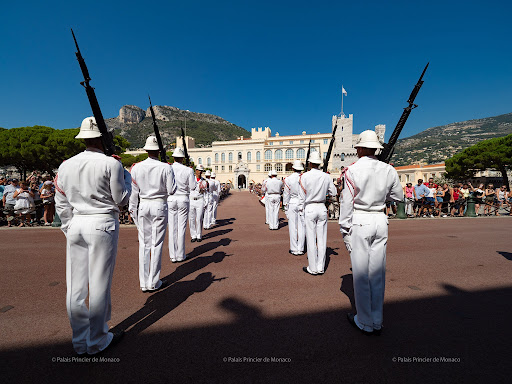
314	157
213	175
89	129
368	139
200	168
151	144
297	165
208	173
274	172
178	152
269	173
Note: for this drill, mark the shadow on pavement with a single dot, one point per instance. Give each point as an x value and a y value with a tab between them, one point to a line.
461	336
506	255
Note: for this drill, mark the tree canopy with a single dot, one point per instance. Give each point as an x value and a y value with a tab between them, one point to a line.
41	148
493	153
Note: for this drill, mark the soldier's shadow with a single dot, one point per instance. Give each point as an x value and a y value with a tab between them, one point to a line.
282	223
164	301
207	247
212	234
223	222
328	253
347	287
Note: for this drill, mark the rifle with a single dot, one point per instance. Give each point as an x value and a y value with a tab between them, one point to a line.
163	155
331	144
389	148
106	137
187	158
307	155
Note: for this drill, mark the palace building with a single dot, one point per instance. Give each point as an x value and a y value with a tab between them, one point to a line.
248	160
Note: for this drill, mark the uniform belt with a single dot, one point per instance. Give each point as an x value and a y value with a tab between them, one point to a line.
113	215
197	197
367	211
314	202
162	199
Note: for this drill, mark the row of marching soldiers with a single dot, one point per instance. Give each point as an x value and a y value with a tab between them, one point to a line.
90	187
368	184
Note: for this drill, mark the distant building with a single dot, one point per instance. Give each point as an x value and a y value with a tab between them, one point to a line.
248	160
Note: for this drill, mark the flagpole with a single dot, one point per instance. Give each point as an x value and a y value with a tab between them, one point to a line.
342	115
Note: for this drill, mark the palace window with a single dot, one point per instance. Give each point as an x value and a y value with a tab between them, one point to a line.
223	158
288	154
249	156
268	167
268	154
291	141
302	141
222	168
208	161
326	141
258	168
270	143
230	157
199	160
301	153
239	156
258	156
279	167
289	167
230	168
281	143
278	155
216	167
216	157
342	157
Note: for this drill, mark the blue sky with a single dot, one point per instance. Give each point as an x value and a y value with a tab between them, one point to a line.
279	64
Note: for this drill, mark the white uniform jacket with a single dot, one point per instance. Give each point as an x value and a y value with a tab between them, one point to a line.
184	177
315	185
369	183
151	180
83	193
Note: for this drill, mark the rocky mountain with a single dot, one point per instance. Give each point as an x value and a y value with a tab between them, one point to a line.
135	125
437	144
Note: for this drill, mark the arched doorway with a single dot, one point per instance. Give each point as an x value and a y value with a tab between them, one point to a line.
242	181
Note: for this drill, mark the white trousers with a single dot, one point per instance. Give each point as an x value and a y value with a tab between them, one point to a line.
195	218
208	212
214	209
296	227
267	206
90	258
273	201
315	218
152	224
178	206
369	237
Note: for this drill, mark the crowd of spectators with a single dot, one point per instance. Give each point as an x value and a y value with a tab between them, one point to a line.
432	200
28	202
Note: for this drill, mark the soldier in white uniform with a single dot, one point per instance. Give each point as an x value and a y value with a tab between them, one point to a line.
197	206
179	205
264	190
216	198
273	190
295	216
369	183
152	183
315	185
208	209
89	188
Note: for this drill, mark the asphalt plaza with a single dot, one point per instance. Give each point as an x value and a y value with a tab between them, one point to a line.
240	309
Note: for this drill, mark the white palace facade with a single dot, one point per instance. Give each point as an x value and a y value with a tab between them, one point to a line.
248	160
